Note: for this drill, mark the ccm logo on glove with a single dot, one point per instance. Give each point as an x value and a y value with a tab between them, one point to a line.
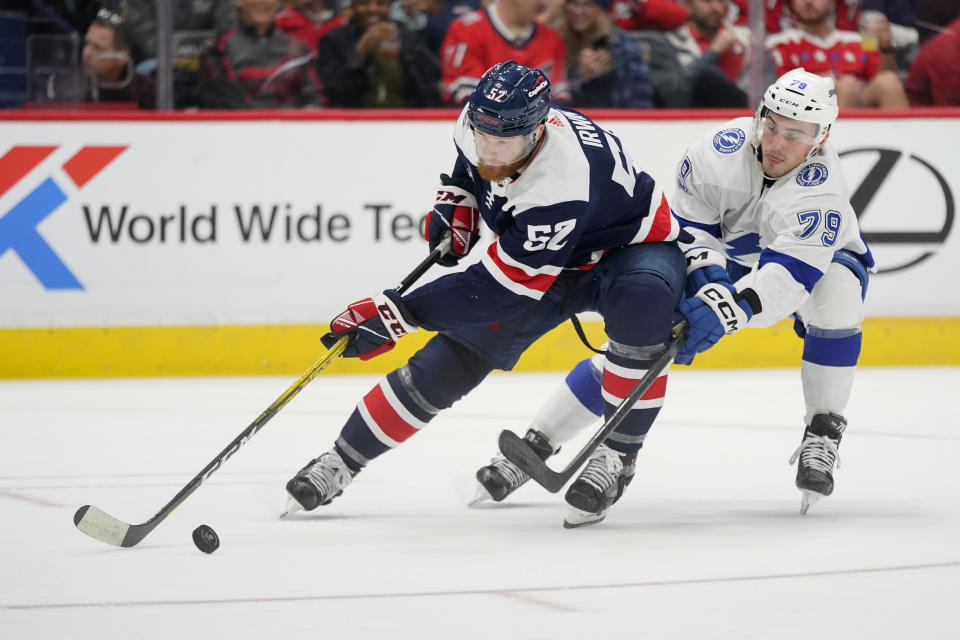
729	312
373	324
454	212
396	325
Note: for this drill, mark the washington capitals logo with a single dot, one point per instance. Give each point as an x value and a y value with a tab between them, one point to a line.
18	226
729	140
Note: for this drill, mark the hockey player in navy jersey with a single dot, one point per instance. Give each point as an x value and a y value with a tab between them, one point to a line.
776	237
577	228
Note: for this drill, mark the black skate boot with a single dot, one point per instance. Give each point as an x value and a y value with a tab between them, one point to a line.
817	454
501	477
318	483
600	484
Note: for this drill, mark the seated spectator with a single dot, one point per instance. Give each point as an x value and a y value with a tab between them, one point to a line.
653	15
375	62
256	66
431	18
699	64
934	78
846	15
606	67
108	67
188	15
901	16
505	30
309	20
864	76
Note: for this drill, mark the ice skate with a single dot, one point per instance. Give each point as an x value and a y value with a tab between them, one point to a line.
318	483
817	455
600	484
501	477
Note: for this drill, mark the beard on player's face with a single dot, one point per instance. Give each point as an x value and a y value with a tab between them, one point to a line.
495	173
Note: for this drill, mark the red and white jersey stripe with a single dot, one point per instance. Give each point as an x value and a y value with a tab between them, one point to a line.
618	381
386	416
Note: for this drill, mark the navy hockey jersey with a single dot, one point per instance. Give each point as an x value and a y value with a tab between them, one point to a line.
579	197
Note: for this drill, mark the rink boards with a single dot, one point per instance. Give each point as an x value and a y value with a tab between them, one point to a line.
195	244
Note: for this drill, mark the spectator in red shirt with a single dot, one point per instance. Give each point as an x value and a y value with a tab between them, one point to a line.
706	34
777	17
864	77
934	78
653	15
308	21
505	30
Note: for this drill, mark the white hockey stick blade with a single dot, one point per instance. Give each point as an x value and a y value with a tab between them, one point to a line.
101	525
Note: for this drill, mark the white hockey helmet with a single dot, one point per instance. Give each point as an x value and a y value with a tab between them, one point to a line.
803	96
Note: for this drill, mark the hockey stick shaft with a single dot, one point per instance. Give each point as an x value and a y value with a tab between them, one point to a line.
519	452
104	527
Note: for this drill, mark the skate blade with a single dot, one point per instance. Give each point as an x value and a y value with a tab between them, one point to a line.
291	507
808	500
481	496
577	518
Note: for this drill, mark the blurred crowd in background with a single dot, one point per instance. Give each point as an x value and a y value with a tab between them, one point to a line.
243	54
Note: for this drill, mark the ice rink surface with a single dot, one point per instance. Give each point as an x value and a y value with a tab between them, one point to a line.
707	542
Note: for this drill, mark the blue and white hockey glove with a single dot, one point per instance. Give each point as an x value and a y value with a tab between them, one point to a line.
455	210
373	324
704	265
715	311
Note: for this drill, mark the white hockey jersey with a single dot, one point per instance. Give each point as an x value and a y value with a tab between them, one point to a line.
787	230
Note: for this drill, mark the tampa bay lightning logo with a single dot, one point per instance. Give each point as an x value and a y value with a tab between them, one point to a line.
812	175
729	140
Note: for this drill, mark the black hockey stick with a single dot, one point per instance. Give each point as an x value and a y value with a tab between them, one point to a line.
105	528
519	452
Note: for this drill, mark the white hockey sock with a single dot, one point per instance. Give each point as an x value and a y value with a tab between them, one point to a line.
563	416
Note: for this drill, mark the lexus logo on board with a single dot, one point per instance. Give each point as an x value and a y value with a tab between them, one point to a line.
883	170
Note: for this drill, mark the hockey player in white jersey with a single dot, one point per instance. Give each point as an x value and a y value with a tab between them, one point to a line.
776	237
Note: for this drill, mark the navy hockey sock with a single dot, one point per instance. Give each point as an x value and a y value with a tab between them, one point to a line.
638	323
438	375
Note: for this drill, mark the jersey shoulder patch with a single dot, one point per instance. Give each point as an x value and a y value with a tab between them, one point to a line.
729	140
812	175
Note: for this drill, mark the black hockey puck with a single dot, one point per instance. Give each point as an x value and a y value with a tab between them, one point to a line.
206	539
